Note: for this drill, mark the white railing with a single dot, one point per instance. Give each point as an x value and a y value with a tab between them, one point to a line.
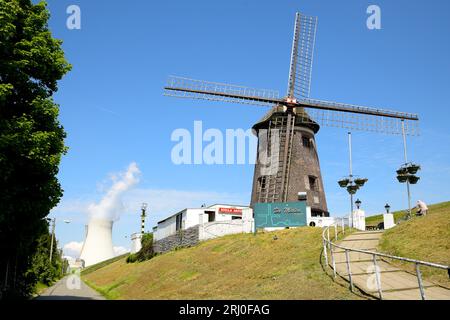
329	247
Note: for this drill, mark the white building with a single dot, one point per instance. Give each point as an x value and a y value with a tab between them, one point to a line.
213	221
136	242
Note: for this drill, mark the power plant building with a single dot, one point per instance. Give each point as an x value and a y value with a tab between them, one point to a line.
98	245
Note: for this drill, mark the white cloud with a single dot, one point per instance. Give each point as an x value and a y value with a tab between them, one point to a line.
73	249
120	250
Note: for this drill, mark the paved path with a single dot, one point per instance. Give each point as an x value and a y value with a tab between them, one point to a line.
396	283
70	289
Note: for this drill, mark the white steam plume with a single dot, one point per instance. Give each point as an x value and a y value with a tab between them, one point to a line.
110	206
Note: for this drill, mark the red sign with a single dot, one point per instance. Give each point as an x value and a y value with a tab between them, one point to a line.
230	210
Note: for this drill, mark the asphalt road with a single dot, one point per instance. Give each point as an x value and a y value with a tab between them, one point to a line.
70	288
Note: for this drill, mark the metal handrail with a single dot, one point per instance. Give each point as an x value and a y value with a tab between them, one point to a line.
327	243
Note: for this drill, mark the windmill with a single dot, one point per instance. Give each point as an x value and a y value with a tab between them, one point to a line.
286	134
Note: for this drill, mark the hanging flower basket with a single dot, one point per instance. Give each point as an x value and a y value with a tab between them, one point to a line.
343	183
402	171
413	168
413	179
352	189
402	178
360	182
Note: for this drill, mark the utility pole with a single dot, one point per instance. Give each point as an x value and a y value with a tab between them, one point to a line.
53	236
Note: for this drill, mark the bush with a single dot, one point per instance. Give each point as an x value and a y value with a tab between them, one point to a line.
131	258
146	251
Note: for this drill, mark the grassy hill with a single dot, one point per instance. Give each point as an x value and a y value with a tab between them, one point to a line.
423	238
240	266
102	264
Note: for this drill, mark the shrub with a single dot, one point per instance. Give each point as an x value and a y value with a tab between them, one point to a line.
132	258
146	251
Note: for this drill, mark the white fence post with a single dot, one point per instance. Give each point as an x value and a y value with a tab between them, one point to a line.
419	278
333	261
349	270
377	276
325	252
328	236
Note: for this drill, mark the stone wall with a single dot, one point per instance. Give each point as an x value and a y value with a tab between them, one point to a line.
183	238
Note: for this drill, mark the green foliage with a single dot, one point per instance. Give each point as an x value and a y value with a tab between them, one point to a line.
146	251
31	139
44	271
132	258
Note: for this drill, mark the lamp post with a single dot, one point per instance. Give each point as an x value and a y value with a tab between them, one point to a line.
53	234
351	183
387	207
406	173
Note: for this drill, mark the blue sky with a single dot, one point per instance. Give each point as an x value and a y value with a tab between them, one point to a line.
114	112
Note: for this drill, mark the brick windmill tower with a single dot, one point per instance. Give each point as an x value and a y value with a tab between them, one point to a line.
287	159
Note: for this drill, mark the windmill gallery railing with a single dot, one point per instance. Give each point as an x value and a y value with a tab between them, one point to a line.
329	251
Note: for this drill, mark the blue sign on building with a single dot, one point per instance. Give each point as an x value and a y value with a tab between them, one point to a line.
280	214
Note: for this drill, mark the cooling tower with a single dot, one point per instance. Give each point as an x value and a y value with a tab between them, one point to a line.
98	244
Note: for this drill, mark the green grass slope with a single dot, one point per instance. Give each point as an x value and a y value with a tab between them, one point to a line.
102	264
240	266
423	238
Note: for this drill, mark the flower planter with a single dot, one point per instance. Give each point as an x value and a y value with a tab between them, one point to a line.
402	178
352	189
413	168
360	182
413	179
402	171
343	183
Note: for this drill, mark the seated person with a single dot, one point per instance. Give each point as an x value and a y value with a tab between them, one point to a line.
421	208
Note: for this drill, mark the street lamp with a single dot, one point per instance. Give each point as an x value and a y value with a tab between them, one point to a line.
351	183
358	203
387	207
53	234
406	173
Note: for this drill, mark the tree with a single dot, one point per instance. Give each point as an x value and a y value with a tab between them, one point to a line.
42	269
31	137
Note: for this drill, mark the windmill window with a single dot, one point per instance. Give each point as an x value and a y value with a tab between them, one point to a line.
313	186
262	182
306	142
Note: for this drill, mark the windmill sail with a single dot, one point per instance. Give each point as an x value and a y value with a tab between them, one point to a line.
354	117
325	113
302	56
199	89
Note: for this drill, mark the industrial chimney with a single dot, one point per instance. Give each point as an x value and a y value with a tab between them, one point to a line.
97	246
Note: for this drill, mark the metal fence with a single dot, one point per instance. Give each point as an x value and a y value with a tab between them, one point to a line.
329	249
